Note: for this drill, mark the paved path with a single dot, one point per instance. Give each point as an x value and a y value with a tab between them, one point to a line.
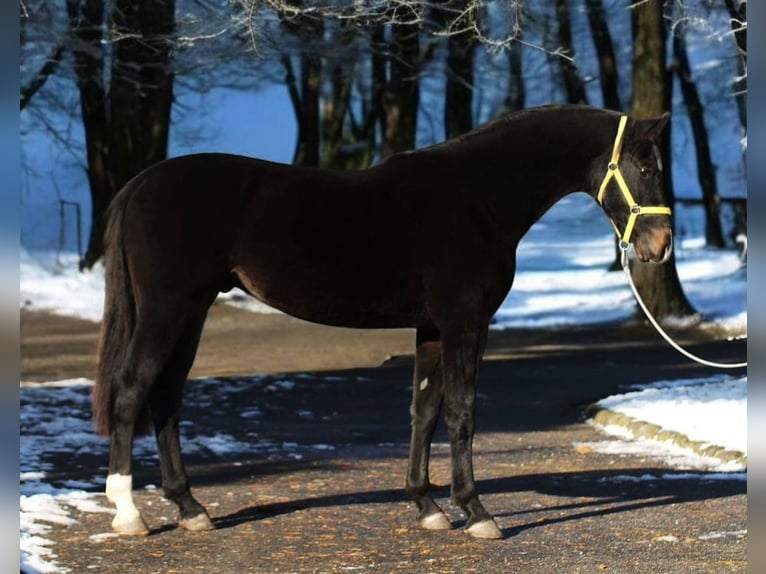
561	507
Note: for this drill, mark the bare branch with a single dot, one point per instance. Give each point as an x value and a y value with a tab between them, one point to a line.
459	20
48	69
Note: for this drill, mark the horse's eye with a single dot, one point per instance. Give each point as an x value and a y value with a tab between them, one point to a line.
645	171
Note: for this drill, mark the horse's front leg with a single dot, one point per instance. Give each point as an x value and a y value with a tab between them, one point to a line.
427	396
462	352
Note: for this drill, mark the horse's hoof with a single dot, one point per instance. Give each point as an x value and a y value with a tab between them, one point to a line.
197	523
133	526
486	529
436	521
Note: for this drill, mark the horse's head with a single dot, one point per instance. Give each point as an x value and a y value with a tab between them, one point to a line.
629	185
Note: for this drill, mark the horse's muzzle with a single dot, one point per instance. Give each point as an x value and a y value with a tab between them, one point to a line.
655	246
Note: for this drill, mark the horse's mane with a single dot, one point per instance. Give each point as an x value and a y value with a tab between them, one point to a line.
502	123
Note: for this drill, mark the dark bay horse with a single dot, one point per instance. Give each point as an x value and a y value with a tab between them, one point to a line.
424	240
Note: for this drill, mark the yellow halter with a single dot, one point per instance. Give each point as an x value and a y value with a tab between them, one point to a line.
613	171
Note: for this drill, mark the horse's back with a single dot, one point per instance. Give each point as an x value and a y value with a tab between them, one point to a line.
328	246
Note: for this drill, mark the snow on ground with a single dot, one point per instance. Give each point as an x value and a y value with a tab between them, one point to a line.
562	280
664	403
45	432
710	411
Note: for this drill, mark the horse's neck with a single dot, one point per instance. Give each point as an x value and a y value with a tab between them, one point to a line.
558	147
544	157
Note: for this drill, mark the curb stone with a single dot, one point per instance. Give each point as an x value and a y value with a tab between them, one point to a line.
641	429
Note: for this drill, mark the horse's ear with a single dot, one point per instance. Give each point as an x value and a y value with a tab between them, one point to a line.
652	129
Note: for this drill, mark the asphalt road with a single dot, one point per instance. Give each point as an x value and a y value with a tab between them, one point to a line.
561	506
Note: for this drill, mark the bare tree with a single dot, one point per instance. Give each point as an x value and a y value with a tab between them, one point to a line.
738	18
608	76
458	94
38	81
37	28
304	95
126	124
87	21
349	109
401	95
711	201
658	284
516	98
352	101
607	63
573	82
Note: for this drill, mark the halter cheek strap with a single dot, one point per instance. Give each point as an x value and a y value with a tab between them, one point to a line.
613	172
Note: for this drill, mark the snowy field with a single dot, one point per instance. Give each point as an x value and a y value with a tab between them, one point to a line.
560	282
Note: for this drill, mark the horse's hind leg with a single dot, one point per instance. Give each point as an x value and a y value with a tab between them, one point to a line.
427	396
144	357
150	350
165	402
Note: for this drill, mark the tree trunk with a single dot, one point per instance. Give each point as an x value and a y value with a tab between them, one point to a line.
305	100
573	83
346	137
86	20
401	96
307	149
738	14
305	90
141	91
46	71
334	113
658	284
517	96
705	169
126	128
607	64
458	97
346	140
377	115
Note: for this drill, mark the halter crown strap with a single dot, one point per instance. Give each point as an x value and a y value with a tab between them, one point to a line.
613	172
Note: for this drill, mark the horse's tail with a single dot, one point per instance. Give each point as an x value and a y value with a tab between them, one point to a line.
117	325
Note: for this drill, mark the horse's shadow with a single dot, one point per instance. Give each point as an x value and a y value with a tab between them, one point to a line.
607	492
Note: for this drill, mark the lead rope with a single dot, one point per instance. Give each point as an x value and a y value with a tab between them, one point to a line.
661	331
613	172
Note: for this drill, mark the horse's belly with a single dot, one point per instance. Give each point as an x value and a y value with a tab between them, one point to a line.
341	300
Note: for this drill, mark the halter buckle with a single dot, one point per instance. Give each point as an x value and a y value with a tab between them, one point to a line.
636	209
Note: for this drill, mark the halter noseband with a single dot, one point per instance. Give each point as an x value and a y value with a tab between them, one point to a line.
613	171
